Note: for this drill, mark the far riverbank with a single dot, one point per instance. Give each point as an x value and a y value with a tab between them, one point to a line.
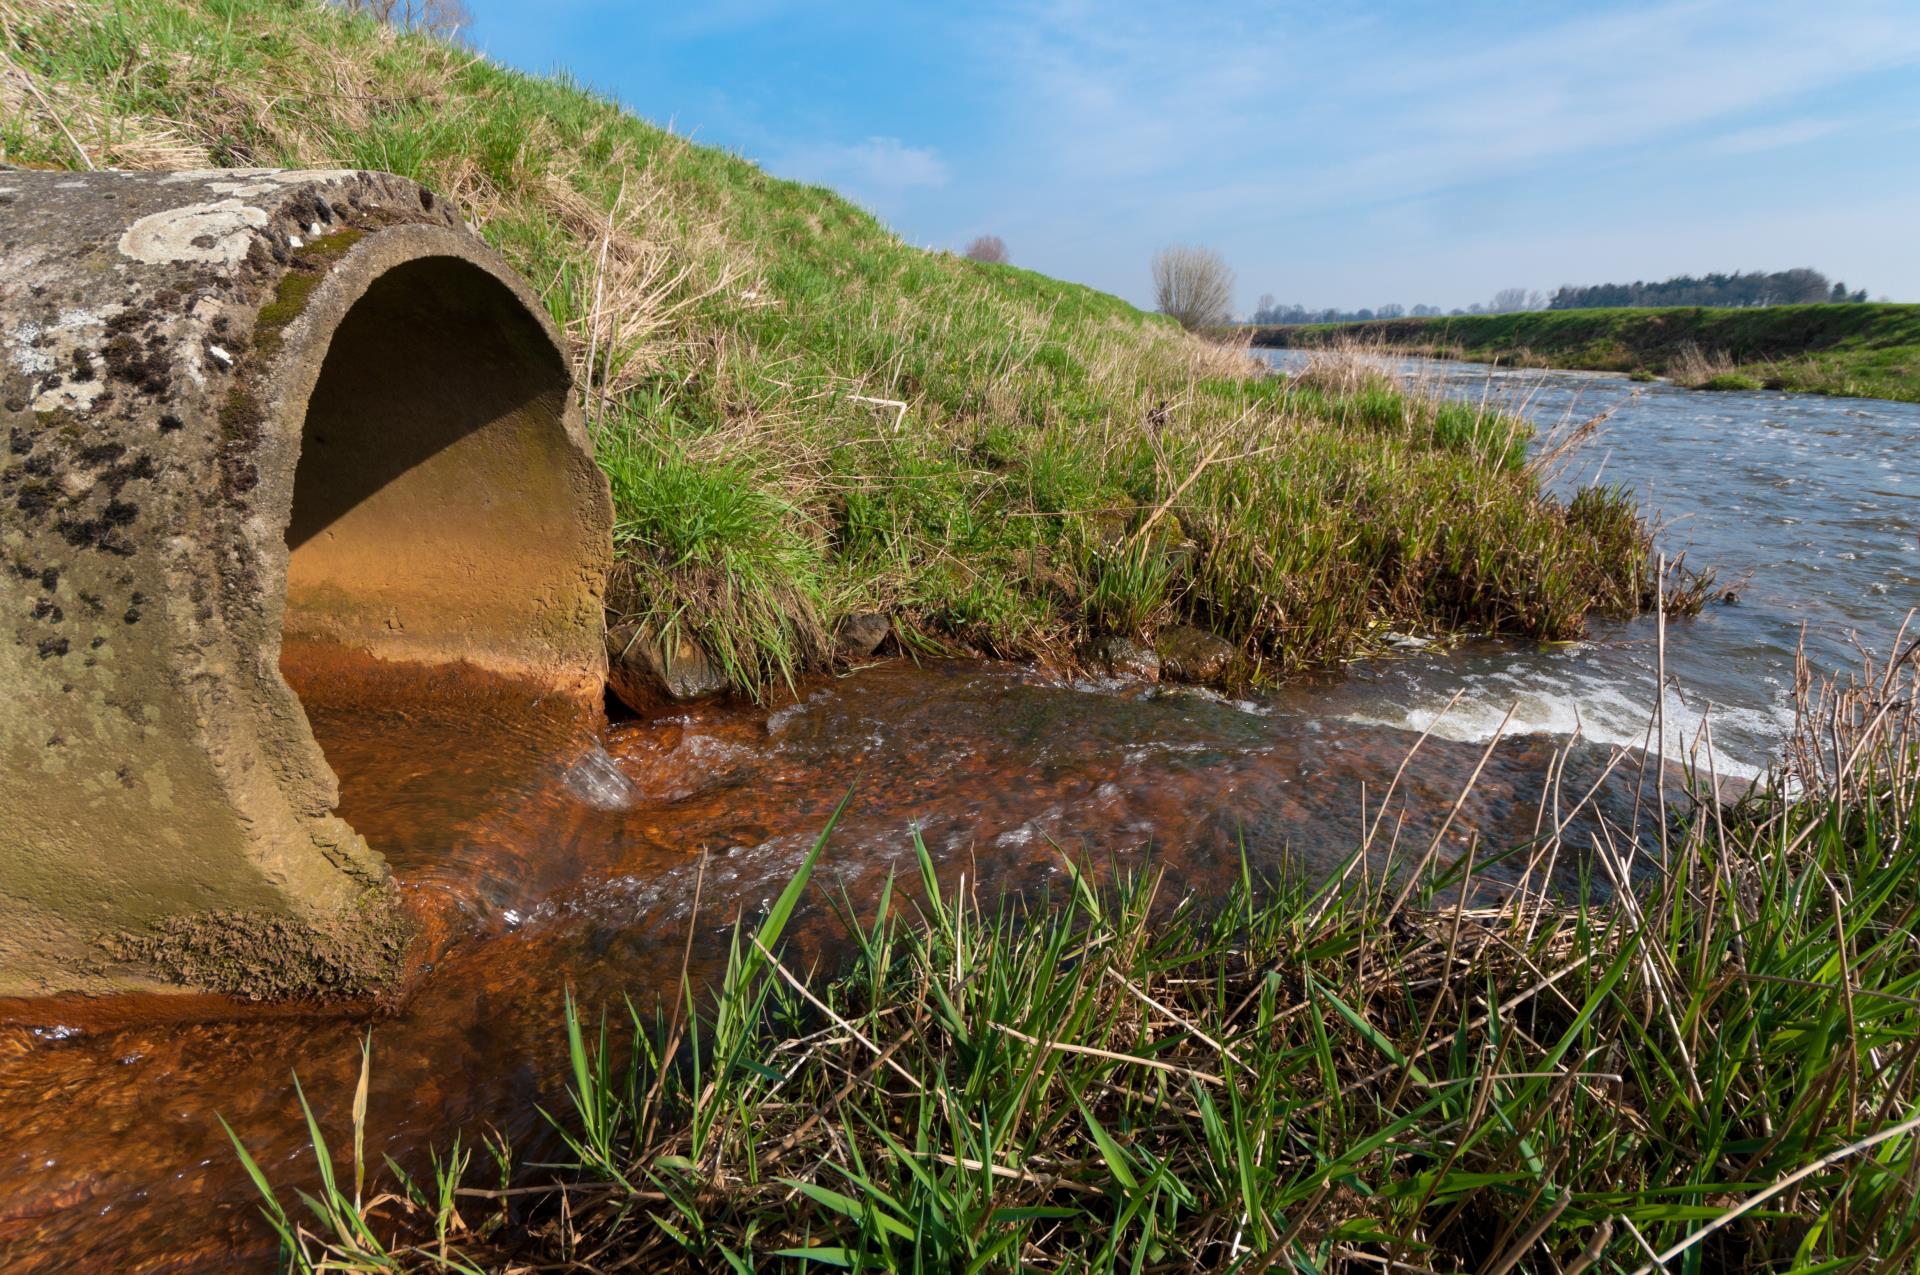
1857	350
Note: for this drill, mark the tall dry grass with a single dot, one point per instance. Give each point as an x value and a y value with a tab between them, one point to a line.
1694	367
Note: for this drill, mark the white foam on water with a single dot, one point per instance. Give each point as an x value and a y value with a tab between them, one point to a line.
1598	711
780	718
598	780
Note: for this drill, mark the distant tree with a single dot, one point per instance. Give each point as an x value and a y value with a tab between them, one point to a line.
1425	311
1389	312
447	18
1271	311
1800	286
1508	300
991	249
1192	284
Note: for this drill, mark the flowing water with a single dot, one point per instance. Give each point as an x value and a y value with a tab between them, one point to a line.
1808	509
539	856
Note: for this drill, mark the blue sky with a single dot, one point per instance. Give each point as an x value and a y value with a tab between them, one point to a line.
1341	155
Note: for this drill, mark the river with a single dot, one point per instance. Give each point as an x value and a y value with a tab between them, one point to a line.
538	859
1807	508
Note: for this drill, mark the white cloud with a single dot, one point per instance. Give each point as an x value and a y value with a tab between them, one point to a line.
1773	137
1129	97
879	169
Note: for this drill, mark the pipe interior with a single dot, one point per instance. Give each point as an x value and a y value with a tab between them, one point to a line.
434	506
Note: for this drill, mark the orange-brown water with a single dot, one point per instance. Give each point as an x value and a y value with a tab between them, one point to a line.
539	858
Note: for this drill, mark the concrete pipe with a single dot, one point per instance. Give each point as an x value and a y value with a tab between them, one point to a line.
240	409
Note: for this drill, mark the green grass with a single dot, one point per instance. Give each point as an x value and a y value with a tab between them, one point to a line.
1867	350
1721	1066
732	330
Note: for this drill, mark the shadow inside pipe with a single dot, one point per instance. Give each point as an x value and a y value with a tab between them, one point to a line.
438	497
436	354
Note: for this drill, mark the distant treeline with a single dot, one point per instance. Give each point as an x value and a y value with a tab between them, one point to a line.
1505	301
1799	286
1870	351
1268	311
1781	287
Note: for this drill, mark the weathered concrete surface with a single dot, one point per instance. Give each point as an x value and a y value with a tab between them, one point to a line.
238	406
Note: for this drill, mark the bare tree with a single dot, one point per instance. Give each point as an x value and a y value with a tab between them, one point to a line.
991	249
1507	300
1194	285
445	18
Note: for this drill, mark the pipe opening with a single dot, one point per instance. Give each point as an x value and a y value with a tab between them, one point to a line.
435	503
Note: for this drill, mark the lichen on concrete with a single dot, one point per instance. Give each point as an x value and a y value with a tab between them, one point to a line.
290	296
220	231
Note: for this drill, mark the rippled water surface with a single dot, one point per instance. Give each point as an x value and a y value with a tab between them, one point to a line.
538	856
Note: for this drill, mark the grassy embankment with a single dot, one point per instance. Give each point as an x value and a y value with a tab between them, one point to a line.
1868	350
1064	467
1717	1072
